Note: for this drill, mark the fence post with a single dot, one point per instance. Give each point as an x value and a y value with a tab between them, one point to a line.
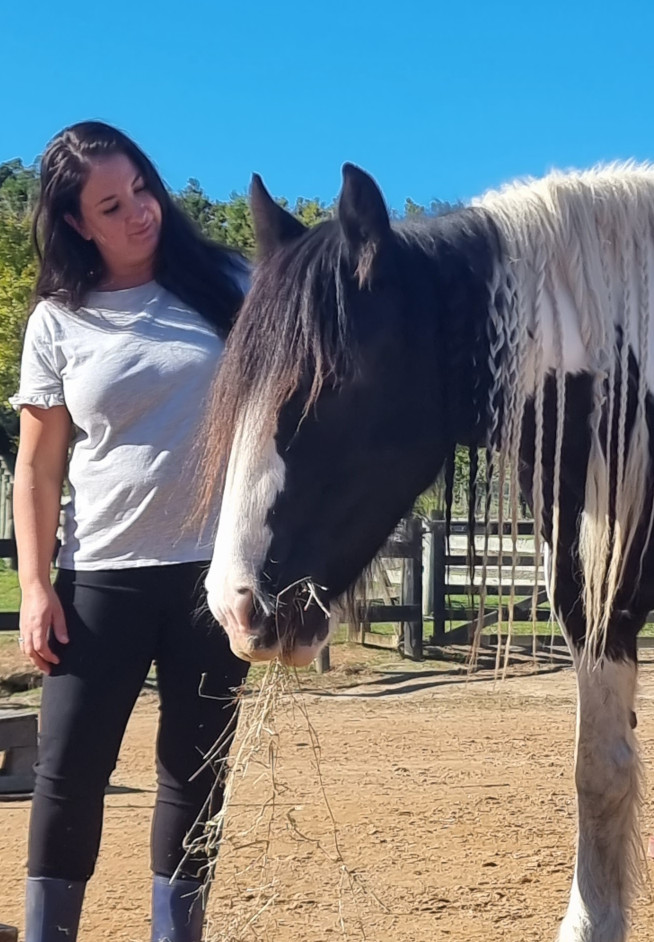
6	507
356	631
412	591
437	575
322	662
3	503
9	516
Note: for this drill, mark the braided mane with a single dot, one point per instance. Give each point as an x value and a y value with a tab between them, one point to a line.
575	289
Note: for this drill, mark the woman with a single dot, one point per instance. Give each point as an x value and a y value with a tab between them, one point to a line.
120	350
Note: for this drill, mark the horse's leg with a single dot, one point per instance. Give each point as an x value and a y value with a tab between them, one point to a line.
607	777
607	780
607	769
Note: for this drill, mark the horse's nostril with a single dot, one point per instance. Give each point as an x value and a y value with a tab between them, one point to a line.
243	604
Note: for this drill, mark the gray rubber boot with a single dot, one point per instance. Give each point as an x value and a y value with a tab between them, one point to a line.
52	909
177	910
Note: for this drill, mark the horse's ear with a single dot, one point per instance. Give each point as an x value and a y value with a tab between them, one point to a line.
361	209
272	225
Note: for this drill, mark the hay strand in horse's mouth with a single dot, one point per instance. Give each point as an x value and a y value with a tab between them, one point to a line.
243	831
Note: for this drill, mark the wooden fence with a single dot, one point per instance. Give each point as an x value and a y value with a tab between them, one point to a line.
458	573
432	574
402	601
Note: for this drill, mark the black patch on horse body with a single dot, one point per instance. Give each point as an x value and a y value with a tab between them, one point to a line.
635	596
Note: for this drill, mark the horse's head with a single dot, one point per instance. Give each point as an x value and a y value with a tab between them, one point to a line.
329	408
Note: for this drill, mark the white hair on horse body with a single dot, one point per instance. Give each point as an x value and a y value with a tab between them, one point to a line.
578	249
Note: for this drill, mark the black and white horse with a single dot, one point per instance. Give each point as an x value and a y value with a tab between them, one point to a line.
367	350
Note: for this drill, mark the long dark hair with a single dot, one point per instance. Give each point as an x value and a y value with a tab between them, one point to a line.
199	272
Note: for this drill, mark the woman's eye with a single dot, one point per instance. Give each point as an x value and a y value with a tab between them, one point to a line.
140	188
112	209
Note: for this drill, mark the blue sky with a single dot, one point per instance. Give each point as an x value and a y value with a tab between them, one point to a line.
436	99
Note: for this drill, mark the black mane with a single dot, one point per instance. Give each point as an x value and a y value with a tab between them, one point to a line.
461	249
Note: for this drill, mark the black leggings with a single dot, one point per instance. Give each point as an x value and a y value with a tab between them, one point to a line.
119	621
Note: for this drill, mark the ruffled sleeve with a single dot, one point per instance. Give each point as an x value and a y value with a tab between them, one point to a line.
40	376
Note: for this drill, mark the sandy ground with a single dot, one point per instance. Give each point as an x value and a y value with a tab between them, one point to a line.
439	808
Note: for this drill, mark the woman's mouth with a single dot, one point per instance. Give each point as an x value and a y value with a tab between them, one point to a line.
145	231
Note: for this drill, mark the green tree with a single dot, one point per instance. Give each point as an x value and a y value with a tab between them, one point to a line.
196	204
19	187
232	224
311	212
230	221
441	207
413	209
17	277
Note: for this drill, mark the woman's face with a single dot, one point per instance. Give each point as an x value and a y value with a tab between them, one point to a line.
119	214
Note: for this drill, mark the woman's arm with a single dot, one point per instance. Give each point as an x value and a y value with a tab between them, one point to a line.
40	469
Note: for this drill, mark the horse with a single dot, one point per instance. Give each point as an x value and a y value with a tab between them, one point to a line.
367	349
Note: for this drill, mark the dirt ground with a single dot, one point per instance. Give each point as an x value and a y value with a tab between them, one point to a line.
440	807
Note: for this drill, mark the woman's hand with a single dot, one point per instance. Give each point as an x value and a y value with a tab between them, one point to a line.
41	615
40	466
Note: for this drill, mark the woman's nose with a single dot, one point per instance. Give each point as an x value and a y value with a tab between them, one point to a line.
139	211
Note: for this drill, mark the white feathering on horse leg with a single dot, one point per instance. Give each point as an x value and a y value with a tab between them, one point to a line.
607	774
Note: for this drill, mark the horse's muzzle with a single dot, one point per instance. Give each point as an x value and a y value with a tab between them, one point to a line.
293	629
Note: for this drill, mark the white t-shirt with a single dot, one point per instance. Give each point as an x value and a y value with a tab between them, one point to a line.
133	368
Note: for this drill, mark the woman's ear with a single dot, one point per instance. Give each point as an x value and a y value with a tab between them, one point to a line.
77	226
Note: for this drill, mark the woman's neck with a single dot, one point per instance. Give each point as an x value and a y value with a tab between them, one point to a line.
133	277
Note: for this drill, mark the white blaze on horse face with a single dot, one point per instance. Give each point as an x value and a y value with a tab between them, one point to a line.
607	774
255	476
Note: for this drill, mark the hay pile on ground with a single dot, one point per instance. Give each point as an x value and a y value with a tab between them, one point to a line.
238	837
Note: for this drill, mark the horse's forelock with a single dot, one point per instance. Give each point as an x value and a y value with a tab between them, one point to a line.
292	332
